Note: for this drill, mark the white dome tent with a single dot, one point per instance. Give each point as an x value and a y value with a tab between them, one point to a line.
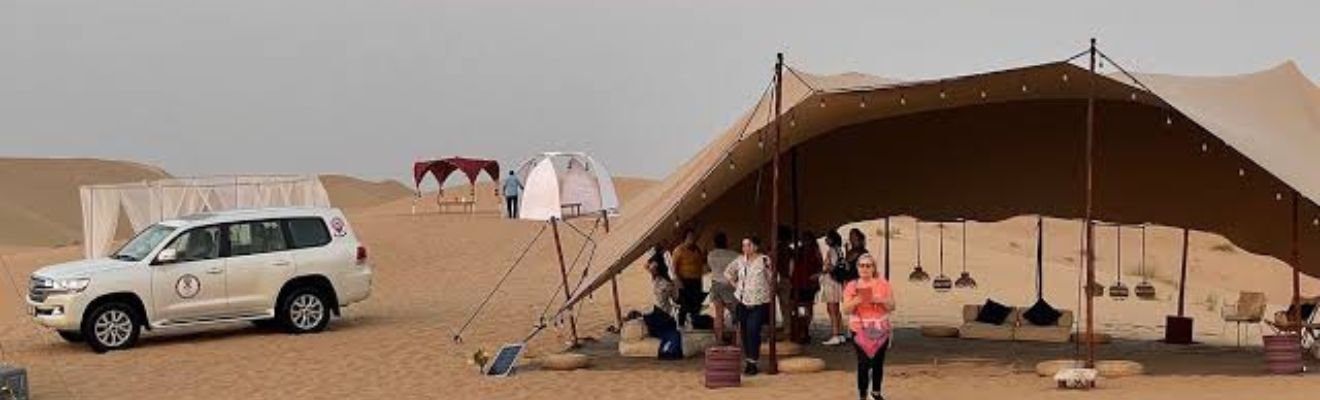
149	202
584	184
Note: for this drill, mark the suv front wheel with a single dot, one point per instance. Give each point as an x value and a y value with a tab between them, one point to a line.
304	310
111	326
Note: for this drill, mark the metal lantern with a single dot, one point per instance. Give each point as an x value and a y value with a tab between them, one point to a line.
918	274
942	283
1118	291
965	280
1144	290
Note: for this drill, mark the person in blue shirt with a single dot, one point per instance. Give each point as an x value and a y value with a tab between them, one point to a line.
512	189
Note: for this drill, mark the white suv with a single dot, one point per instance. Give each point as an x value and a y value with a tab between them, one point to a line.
289	267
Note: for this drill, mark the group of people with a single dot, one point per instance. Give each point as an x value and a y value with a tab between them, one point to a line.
844	277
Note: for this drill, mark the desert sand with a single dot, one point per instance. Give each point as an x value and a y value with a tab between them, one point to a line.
432	269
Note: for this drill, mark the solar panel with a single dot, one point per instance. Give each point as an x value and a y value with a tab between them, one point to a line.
505	359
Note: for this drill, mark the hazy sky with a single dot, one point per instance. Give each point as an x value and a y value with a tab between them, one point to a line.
365	87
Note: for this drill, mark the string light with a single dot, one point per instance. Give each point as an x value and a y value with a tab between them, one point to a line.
1278	196
822	102
1134	96
760	141
1205	147
1242	172
982	94
703	193
792	122
1024	88
902	100
1315	222
942	93
1168	120
863	104
732	166
1065	77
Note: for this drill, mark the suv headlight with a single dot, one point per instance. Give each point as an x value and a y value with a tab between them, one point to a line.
71	285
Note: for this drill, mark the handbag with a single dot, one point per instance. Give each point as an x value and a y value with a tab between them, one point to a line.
840	271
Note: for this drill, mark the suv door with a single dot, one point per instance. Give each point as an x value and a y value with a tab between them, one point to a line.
259	263
193	286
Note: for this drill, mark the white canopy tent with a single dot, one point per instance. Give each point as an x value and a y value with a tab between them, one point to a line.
148	202
583	182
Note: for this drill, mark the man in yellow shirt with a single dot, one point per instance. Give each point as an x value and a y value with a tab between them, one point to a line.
690	267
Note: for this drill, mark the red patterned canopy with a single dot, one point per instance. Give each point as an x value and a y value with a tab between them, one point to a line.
443	167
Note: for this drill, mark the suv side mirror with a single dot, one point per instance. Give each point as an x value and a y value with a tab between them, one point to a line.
167	256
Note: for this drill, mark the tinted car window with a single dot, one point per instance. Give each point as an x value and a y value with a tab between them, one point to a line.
256	237
308	232
198	244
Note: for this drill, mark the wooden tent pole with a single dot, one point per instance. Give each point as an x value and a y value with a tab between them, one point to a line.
773	368
1090	229
1182	279
1040	258
563	274
614	280
1296	264
887	234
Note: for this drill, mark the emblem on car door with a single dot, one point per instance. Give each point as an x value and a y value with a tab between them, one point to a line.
337	225
188	286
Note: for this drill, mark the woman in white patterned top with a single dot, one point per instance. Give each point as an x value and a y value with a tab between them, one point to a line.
752	282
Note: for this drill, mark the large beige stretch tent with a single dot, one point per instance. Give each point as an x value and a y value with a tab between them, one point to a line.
1220	154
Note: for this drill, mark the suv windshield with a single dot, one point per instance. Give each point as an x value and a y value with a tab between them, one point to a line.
143	243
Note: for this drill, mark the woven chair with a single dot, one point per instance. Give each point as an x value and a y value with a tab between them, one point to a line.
1249	309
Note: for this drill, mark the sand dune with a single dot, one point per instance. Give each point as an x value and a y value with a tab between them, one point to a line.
352	193
433	269
40	206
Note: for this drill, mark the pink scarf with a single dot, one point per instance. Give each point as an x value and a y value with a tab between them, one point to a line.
874	334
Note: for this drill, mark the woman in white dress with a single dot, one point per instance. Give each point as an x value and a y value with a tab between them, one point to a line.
831	290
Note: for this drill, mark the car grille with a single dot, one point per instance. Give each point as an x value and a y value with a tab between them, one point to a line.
39	288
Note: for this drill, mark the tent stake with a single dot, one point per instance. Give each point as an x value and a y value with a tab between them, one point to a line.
563	274
773	368
1090	229
614	280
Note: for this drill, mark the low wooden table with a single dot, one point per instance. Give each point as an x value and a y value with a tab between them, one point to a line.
468	206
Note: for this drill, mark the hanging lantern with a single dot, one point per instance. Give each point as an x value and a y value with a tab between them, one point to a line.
942	283
1144	290
918	275
863	103
1118	291
822	102
965	280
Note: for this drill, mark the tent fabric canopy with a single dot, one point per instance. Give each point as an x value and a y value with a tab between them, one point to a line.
471	167
583	182
1222	154
149	202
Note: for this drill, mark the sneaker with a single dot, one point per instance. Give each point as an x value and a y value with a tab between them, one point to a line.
751	369
877	396
835	341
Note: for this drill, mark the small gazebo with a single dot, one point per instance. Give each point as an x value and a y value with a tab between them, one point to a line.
442	168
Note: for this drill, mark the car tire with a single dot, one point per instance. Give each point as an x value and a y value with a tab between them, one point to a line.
71	336
111	326
304	310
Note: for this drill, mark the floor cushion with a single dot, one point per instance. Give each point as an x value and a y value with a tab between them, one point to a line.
801	365
564	361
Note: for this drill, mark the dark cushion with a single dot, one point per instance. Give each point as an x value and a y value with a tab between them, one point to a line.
1042	314
1307	310
993	313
